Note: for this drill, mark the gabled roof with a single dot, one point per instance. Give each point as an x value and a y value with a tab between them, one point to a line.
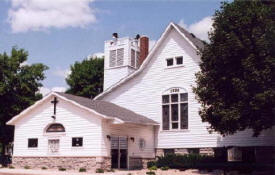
196	43
110	109
104	109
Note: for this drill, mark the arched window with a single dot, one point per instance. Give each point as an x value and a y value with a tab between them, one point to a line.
175	109
56	127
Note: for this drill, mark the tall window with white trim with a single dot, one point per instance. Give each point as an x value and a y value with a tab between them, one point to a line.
175	109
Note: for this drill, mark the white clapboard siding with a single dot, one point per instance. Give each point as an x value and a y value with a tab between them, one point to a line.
113	75
142	94
77	123
129	130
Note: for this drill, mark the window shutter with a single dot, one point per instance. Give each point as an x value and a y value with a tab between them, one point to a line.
133	57
112	58
120	57
137	60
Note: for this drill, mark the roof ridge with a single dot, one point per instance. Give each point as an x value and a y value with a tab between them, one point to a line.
192	37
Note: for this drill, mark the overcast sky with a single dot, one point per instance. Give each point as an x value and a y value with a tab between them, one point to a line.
59	32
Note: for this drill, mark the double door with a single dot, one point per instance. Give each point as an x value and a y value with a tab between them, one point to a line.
119	152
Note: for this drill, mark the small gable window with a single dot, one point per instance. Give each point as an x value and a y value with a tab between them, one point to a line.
56	127
174	61
179	60
33	143
170	61
77	141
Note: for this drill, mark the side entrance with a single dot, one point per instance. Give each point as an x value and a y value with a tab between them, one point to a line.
119	152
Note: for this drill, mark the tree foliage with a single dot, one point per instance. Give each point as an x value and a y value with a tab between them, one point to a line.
236	84
86	78
19	85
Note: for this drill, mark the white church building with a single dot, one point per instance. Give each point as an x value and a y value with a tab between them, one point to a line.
147	109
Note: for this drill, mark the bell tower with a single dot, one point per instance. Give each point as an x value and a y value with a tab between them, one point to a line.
122	57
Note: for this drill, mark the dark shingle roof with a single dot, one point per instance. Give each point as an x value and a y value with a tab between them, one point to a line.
109	109
196	41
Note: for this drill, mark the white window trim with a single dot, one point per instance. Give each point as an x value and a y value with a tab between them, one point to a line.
59	148
77	147
136	59
174	62
116	65
170	110
33	148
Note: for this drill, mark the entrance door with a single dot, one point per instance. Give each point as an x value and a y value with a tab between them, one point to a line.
53	146
119	152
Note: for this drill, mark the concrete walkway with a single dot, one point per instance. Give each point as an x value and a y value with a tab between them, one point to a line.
6	171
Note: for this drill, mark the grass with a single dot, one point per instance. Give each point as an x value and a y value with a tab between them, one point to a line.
153	168
27	167
99	170
150	173
62	169
164	168
82	170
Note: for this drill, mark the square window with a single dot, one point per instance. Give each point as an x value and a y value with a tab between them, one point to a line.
174	97
170	62
179	60
77	142
32	143
175	125
184	97
165	99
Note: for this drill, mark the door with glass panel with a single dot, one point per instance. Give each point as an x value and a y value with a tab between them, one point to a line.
119	152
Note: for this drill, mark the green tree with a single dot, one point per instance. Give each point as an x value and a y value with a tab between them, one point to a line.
19	85
236	84
86	78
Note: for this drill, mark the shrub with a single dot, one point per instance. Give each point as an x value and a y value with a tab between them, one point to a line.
99	170
164	168
44	168
27	167
129	174
209	163
184	161
151	163
82	169
151	173
153	168
62	169
11	167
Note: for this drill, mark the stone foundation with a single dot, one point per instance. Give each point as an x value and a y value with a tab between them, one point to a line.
183	151
207	151
261	154
138	162
70	163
